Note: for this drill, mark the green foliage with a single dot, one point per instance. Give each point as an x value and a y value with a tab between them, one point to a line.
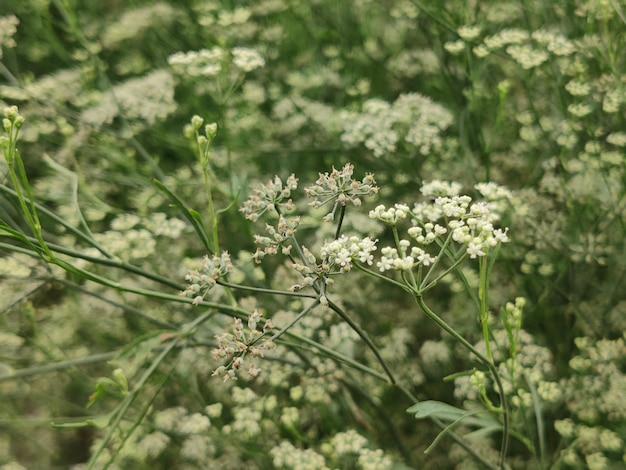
226	291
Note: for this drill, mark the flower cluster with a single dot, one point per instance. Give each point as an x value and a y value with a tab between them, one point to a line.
240	344
528	50
8	28
390	216
469	224
287	456
12	123
202	63
177	426
279	236
202	280
595	391
136	21
439	188
403	260
342	251
247	59
269	197
340	187
211	62
149	99
413	118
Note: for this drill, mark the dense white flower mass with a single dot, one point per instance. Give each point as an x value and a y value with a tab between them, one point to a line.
211	62
470	224
342	251
381	126
8	28
247	59
149	99
136	21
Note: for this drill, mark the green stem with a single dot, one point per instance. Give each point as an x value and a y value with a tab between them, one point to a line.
483	290
365	338
71	229
100	261
263	290
342	213
319	348
128	400
378	275
488	363
286	328
36	370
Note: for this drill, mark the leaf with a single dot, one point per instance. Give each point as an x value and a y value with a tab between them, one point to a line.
465	373
487	424
191	215
437	409
106	387
479	417
7	231
99	422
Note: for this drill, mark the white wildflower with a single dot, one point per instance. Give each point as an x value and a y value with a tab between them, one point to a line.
247	59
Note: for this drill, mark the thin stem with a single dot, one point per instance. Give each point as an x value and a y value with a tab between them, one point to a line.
128	400
342	213
125	308
378	275
70	228
263	290
286	328
9	76
483	290
100	261
36	370
364	337
489	364
319	348
424	288
541	438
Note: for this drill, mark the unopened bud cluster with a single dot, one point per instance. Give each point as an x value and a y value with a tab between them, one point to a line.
241	345
270	197
12	123
202	280
338	186
278	237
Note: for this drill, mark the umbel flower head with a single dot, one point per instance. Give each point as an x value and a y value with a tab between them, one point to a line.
202	280
270	197
338	186
243	344
448	216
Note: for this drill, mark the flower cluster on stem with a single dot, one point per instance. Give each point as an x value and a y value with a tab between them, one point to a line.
202	280
439	221
340	188
270	197
243	343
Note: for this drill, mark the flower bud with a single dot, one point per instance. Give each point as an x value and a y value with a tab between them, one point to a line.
211	130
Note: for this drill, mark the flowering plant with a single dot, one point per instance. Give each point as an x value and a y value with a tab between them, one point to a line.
161	318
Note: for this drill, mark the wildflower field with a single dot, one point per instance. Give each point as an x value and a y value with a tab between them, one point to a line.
313	234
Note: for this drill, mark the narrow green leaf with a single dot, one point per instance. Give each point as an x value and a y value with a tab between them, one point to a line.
480	417
465	373
6	231
191	215
432	408
99	422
